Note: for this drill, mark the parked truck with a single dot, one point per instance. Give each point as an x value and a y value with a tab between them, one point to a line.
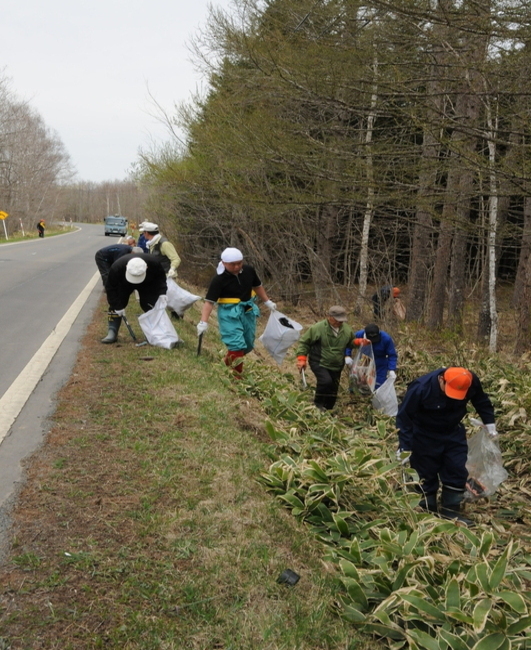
115	225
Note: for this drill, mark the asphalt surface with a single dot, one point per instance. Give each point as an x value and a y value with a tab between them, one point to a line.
48	294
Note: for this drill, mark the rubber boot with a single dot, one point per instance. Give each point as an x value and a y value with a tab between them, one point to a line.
451	500
230	359
114	325
429	503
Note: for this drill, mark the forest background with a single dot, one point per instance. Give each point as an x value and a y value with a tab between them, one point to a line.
342	145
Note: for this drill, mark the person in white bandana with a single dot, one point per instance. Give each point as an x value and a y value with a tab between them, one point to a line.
233	289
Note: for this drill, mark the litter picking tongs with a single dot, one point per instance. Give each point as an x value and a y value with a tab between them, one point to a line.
303	379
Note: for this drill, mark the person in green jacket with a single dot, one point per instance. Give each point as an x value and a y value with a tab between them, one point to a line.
324	347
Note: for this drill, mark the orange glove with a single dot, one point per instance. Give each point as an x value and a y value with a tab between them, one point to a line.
361	341
301	363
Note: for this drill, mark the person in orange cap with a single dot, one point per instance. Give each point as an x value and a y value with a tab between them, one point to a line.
432	437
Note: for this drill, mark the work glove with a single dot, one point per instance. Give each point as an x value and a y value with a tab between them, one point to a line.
163	301
391	374
270	305
201	327
301	363
403	456
119	312
491	428
348	361
171	274
361	341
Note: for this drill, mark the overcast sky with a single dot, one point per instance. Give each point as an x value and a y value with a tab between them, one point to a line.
87	67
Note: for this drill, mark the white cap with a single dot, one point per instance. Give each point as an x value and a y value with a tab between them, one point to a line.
147	226
135	271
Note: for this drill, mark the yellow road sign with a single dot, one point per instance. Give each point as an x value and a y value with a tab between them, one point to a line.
3	215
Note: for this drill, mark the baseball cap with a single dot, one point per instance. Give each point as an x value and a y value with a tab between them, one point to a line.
372	332
135	271
339	313
148	226
458	381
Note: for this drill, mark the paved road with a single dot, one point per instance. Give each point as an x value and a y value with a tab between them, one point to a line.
48	293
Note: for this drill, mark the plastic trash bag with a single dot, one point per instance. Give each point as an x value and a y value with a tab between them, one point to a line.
279	334
385	399
362	377
158	328
179	300
484	464
399	309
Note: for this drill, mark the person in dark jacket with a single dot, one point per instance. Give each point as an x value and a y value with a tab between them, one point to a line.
41	227
134	271
380	298
107	255
232	289
324	346
431	432
383	347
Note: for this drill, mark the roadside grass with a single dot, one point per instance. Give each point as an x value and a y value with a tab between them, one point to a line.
18	236
143	525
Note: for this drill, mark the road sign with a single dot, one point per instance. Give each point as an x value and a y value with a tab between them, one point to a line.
3	215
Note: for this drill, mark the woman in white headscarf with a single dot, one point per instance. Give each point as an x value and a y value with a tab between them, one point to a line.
232	289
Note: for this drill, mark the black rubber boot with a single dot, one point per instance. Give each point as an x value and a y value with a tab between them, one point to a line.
114	325
429	502
451	499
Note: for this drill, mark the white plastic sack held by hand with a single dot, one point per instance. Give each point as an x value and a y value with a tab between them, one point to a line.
179	300
363	371
158	328
484	464
384	398
279	334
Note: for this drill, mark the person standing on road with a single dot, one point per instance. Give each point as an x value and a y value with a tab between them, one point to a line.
326	347
40	227
383	347
134	271
431	432
232	290
107	255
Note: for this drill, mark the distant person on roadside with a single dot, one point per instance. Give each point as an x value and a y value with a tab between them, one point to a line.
431	432
41	227
164	250
142	241
107	255
132	272
383	347
381	297
324	347
232	290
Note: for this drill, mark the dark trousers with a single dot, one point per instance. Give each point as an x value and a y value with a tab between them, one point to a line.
440	457
327	386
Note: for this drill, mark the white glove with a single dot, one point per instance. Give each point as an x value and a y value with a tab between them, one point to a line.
348	361
270	305
403	456
119	312
391	374
171	274
201	327
491	428
163	301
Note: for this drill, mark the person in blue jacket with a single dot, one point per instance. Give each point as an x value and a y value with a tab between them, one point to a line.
383	347
433	438
108	255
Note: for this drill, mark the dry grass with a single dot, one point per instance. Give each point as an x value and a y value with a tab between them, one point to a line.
141	524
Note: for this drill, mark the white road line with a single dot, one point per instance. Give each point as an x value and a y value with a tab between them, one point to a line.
18	393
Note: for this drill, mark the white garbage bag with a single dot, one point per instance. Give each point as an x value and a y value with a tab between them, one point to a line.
158	328
385	399
280	333
179	300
